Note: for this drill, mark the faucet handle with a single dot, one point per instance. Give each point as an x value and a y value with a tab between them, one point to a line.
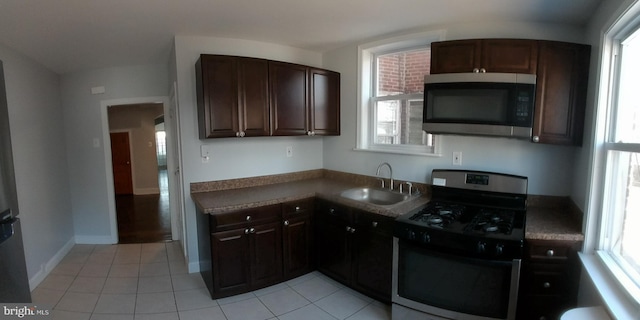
410	185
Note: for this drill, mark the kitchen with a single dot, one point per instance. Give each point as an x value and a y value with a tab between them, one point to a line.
77	211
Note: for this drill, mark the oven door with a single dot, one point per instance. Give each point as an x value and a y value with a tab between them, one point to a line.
451	286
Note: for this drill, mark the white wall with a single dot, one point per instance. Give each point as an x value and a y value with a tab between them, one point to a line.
40	162
549	168
233	157
84	121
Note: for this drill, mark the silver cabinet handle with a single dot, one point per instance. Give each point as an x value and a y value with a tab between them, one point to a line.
353	230
348	229
252	230
374	224
476	70
246	231
483	70
248	218
546	285
535	139
298	208
550	253
286	222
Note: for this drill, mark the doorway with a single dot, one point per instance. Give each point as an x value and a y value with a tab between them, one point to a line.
138	154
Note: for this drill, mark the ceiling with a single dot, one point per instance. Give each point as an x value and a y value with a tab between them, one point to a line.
72	35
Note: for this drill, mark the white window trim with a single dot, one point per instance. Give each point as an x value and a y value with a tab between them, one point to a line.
365	84
606	275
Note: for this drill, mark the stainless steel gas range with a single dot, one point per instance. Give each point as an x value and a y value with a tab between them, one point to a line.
459	256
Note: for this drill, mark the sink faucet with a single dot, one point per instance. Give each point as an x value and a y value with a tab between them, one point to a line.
390	174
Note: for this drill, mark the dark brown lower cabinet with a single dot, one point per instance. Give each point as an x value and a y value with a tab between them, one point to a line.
297	238
333	240
373	251
231	267
250	249
549	279
355	248
245	251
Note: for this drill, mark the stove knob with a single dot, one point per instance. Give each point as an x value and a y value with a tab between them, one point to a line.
411	235
425	238
481	247
499	249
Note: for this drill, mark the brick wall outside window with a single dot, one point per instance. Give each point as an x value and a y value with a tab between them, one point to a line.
404	72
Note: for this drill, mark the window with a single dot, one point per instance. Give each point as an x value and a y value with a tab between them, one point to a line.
620	222
391	93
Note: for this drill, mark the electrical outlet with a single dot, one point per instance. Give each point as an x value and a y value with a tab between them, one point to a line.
457	158
289	151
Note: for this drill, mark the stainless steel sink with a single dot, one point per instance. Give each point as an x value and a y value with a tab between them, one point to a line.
374	196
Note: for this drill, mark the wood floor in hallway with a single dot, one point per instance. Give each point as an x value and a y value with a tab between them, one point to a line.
144	218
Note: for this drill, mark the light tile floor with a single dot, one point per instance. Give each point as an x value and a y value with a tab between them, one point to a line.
150	281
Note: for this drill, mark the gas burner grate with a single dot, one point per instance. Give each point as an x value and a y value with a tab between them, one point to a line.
492	222
438	214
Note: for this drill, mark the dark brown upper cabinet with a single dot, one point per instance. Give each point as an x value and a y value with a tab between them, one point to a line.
304	100
561	93
232	95
484	55
240	97
325	102
289	99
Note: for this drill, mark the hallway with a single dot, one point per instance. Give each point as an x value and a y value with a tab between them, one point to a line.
145	218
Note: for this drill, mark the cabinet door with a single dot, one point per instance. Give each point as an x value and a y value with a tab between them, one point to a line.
333	240
297	242
217	96
325	102
253	90
509	55
373	256
230	262
289	99
455	56
563	70
266	254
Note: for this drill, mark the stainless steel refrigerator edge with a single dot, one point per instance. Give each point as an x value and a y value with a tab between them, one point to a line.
14	283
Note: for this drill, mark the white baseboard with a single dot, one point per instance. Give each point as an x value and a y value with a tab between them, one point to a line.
145	191
95	240
194	267
46	268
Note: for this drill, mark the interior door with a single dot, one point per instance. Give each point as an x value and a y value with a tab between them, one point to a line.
121	162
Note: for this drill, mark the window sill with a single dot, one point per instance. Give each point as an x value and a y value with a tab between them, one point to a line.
616	300
404	152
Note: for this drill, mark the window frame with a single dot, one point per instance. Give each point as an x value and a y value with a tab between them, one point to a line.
367	53
601	221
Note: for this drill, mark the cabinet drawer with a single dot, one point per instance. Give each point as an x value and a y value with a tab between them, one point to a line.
549	282
297	208
239	219
331	211
551	250
375	223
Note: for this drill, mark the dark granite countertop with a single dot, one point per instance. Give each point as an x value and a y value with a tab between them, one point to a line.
548	218
552	223
215	202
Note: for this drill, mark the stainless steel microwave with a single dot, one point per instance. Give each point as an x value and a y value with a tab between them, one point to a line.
488	104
